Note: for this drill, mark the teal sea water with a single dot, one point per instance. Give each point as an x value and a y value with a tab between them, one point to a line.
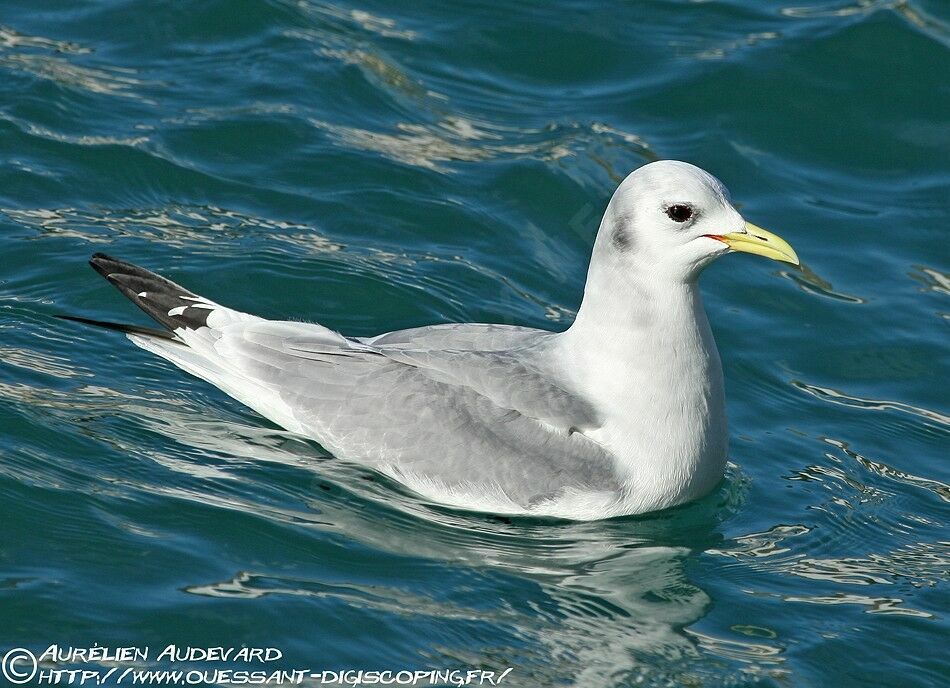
381	165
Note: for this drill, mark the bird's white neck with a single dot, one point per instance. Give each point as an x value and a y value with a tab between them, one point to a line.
642	352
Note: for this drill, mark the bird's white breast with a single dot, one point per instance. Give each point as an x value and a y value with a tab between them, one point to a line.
659	391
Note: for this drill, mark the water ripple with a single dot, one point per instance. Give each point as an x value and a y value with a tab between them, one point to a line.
920	563
942	490
809	281
429	146
113	81
910	12
875	605
11	38
177	225
836	397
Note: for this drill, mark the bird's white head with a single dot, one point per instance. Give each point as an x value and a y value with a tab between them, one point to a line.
670	219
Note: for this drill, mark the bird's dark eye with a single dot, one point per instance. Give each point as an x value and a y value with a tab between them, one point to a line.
679	212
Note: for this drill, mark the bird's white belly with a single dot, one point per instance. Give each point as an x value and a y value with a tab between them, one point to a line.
670	447
664	422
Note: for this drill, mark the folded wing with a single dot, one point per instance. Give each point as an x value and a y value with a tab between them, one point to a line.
439	420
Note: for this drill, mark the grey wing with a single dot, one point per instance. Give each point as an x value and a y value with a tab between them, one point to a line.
452	420
459	337
502	362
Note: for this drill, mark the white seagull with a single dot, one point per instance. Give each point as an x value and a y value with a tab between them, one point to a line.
621	413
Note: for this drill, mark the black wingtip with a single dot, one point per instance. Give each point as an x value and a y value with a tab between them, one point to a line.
121	327
104	264
161	298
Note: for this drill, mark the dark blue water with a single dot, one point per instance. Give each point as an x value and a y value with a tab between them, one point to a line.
383	165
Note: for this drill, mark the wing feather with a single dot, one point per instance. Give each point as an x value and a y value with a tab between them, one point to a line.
451	418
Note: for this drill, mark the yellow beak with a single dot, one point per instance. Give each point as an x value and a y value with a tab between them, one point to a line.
761	242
